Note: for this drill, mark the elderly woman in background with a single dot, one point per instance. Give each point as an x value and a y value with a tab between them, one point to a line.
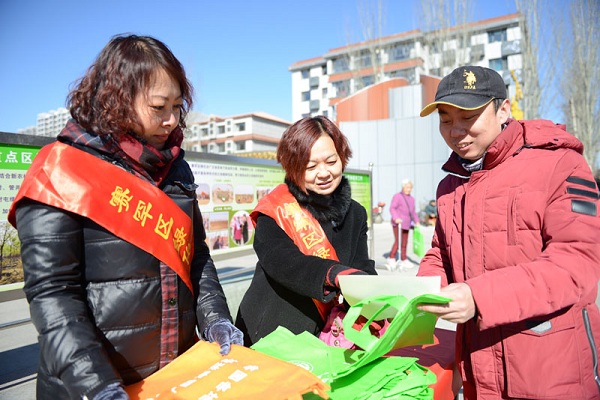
404	218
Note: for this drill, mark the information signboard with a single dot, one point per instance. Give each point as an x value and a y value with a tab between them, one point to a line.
228	190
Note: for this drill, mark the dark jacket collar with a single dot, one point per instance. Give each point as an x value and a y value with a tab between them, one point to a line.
332	208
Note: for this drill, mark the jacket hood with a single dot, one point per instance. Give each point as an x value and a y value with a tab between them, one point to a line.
544	134
539	134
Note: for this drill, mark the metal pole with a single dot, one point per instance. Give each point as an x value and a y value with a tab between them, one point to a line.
371	230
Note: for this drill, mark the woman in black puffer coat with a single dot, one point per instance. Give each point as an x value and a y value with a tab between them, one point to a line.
110	313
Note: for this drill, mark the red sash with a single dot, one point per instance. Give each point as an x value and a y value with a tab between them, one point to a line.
129	207
300	226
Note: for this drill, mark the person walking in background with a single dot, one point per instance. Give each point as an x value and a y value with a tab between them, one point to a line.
309	231
404	218
118	274
517	247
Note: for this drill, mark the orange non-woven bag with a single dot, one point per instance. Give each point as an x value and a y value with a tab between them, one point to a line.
202	373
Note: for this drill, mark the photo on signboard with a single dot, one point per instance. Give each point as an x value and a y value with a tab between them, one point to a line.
244	194
241	228
222	193
217	221
218	240
203	194
262	192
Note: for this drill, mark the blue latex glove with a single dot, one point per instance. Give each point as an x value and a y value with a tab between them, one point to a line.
224	333
114	391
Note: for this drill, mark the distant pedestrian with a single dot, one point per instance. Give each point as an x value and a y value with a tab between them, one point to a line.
404	218
430	212
517	245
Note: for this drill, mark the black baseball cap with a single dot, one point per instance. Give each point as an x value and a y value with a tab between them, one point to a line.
468	88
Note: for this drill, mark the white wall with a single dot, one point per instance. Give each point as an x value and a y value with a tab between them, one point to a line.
399	148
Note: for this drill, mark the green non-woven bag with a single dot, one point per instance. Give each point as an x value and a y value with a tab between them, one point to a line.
365	374
408	327
418	242
372	381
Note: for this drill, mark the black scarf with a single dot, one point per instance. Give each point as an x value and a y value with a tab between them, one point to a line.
332	208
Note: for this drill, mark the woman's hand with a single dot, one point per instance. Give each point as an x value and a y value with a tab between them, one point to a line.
225	334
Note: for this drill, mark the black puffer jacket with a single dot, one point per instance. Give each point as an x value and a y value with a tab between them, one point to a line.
96	299
286	280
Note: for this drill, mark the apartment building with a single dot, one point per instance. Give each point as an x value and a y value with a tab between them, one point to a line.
319	83
240	134
48	124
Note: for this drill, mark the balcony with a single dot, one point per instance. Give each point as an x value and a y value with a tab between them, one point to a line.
510	48
477	52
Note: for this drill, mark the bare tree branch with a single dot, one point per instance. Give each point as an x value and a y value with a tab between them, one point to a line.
581	82
448	33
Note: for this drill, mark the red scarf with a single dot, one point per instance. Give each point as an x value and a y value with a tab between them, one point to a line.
300	226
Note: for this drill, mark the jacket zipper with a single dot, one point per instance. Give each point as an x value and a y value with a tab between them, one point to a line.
588	330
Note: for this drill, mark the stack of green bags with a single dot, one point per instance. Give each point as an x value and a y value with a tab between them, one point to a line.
365	374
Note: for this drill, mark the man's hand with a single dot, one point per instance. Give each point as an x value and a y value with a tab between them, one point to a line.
461	307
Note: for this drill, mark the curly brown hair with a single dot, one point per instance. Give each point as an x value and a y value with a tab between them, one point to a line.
102	101
293	151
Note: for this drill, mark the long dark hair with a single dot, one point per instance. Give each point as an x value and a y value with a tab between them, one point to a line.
102	101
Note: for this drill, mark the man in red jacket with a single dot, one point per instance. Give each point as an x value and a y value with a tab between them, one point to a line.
517	244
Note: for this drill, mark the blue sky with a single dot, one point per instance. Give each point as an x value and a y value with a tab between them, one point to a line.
236	53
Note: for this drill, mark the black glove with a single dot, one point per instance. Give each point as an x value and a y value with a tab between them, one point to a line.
114	391
225	333
337	270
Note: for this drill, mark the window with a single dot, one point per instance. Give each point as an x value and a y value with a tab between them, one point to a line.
340	65
363	60
305	73
435	71
497	36
367	80
400	51
342	88
324	69
305	96
324	93
499	64
241	146
204	131
221	129
240	127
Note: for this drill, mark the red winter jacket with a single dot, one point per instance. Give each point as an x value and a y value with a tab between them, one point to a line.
524	234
